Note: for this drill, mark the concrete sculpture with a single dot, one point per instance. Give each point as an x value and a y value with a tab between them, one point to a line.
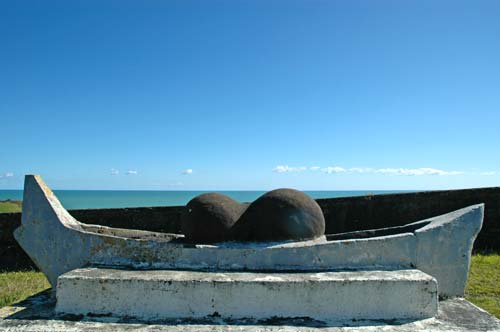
151	275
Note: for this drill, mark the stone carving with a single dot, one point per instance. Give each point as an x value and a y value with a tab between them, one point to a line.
282	214
278	215
208	218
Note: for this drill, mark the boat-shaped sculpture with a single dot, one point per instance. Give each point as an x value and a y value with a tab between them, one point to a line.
57	243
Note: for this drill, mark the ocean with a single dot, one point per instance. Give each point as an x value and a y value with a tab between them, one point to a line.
96	199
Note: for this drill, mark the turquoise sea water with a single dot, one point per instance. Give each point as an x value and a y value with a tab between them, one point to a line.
93	199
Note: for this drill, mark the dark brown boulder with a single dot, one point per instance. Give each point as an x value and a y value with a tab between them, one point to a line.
207	218
282	214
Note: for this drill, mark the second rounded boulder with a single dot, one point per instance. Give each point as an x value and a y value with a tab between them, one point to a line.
282	214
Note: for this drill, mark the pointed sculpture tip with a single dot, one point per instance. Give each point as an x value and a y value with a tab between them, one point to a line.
480	207
31	177
32	181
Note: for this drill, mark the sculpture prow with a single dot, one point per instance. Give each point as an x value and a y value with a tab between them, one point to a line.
45	224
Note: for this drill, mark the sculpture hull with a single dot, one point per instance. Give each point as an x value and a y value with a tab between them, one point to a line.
57	243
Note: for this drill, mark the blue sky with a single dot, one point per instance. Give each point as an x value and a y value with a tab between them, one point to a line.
318	95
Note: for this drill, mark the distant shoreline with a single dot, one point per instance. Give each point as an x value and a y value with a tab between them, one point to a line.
10	206
12	201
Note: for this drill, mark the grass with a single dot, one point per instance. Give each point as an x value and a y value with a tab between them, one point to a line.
16	286
483	287
10	206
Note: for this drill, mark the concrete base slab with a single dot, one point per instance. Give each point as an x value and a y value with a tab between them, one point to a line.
321	296
37	314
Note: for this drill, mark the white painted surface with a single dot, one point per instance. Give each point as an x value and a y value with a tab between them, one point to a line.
444	248
36	314
323	296
57	243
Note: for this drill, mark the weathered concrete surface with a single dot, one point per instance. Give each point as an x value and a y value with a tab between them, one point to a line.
58	243
37	314
342	214
444	249
322	296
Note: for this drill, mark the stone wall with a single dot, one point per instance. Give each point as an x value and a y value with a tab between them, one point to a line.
341	214
12	257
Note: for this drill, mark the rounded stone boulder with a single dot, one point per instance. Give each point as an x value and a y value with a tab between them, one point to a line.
282	214
208	218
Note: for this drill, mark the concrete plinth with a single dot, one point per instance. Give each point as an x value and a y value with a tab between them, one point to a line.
37	314
326	296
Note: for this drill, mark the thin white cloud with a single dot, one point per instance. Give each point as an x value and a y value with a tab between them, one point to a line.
132	172
286	168
390	171
360	170
114	171
488	173
187	171
7	175
416	171
333	169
